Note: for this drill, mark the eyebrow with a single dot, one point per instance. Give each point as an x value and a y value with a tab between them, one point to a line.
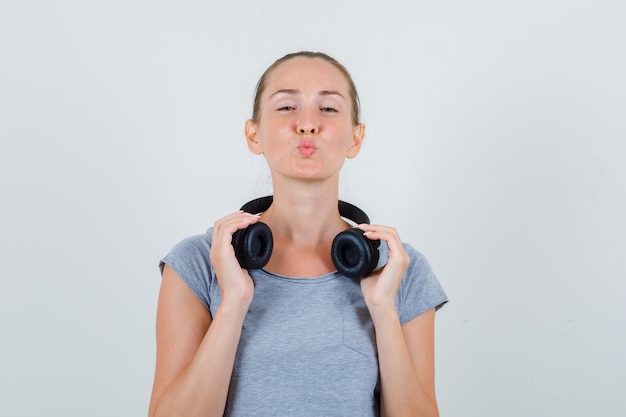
294	92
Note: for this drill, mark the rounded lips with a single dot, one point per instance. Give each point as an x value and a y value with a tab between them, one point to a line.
307	147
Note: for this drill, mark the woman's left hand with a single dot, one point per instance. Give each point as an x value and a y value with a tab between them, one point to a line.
381	286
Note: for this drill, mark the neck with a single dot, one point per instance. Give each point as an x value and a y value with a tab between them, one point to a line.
304	213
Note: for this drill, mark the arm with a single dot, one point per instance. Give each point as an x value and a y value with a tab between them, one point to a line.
406	360
196	352
405	353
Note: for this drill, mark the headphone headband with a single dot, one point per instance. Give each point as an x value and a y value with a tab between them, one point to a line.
346	210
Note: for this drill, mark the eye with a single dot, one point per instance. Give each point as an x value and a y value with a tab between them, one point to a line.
286	108
329	109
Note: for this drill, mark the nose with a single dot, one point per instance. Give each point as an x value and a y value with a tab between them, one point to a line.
307	124
308	129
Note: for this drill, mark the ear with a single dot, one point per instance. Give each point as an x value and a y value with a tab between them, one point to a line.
251	130
358	134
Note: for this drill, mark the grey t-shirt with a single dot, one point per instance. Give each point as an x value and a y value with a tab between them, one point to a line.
308	345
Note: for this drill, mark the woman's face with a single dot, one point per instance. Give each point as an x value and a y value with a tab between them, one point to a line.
305	126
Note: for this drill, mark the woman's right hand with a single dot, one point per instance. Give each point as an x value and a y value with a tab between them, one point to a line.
235	282
195	361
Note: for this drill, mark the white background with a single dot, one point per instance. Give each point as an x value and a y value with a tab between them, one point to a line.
496	144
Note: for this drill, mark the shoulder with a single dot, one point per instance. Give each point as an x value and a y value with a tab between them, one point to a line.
420	289
193	245
418	262
189	258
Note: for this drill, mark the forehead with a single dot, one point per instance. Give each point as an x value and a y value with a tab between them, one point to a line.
304	73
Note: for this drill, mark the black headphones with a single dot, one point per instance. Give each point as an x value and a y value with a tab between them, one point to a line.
353	254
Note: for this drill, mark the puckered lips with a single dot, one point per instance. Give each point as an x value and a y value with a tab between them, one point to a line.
306	147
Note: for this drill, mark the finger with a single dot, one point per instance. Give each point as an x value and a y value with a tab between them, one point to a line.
225	228
386	233
233	222
379	232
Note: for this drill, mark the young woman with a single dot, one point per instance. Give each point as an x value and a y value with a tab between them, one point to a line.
297	338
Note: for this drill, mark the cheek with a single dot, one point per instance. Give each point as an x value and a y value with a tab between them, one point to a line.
344	135
274	126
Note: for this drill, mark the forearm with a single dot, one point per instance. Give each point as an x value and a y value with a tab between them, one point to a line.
201	389
403	393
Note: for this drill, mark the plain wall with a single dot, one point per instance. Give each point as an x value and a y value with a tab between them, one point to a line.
496	144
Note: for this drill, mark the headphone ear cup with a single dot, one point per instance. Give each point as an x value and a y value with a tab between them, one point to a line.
253	245
353	254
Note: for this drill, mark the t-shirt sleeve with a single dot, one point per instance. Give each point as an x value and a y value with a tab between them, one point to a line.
190	260
420	289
